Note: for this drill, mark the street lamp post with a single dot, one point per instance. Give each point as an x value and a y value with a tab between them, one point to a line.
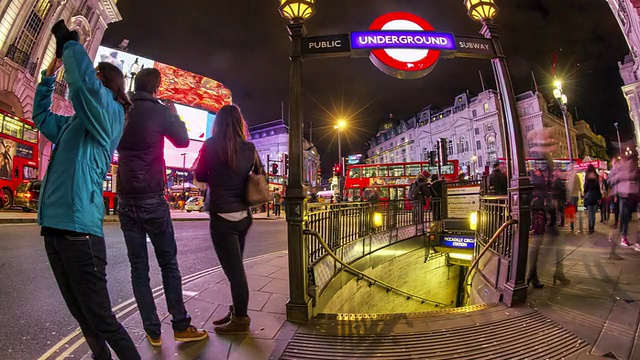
133	70
562	100
619	142
339	128
520	190
299	304
184	168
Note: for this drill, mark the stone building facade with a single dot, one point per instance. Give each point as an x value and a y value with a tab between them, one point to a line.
627	13
472	129
28	47
272	141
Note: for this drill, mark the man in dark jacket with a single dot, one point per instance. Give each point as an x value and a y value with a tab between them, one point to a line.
497	181
143	210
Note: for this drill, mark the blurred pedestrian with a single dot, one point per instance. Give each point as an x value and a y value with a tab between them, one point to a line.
225	161
539	220
436	197
574	192
605	202
498	183
277	202
592	196
142	209
625	183
71	210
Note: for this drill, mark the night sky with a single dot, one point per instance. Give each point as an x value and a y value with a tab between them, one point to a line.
244	45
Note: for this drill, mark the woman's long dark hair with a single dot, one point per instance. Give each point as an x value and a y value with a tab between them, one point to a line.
113	79
228	132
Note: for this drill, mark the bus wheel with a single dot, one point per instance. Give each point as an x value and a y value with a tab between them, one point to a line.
7	199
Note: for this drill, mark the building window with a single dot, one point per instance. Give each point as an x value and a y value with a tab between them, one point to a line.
491	143
477	131
33	26
478	145
450	147
486	107
474	113
488	127
528	128
480	161
464	144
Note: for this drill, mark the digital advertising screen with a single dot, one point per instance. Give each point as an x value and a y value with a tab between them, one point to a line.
173	156
180	86
196	121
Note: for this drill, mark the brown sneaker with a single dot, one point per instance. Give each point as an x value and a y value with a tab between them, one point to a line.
154	342
191	334
225	319
237	325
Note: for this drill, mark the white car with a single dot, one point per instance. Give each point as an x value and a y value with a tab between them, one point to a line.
195	203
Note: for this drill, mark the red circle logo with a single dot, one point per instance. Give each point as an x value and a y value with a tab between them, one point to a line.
403	63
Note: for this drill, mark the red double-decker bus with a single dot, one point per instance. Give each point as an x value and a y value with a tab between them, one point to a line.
18	155
391	180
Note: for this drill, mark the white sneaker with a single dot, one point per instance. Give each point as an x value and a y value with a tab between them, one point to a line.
624	242
636	247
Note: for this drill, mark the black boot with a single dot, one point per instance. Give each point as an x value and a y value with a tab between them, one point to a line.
533	280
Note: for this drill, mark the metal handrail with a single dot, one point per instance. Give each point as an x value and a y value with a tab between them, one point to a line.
361	275
484	251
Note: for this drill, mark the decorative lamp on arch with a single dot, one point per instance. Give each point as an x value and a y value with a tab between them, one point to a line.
297	10
481	10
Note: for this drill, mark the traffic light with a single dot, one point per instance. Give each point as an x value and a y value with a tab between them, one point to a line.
432	157
336	170
274	168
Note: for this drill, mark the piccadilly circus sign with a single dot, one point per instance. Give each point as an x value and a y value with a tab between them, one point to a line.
400	44
403	45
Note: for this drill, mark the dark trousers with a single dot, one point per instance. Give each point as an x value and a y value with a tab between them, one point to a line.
591	211
276	209
78	264
139	218
228	240
605	203
625	215
616	209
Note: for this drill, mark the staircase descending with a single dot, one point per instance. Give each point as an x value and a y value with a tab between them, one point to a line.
475	332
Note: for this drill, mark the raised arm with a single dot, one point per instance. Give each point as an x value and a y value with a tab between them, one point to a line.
87	93
175	129
49	123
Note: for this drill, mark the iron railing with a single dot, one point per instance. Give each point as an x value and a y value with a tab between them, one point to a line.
494	212
22	58
342	224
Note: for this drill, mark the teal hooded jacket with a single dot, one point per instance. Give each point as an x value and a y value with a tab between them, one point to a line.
71	193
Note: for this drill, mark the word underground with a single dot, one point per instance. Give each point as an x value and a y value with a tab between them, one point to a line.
398	39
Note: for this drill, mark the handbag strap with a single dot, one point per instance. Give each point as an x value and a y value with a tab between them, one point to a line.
256	163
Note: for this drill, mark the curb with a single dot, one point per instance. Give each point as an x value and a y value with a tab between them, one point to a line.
115	220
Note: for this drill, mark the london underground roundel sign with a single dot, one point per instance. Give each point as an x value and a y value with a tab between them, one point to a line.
403	45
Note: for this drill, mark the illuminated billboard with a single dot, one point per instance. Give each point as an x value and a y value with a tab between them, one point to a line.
173	156
196	121
178	85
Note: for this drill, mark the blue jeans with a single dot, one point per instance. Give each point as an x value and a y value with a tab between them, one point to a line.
152	217
625	215
79	262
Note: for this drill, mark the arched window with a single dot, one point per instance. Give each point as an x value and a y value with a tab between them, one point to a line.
464	144
450	147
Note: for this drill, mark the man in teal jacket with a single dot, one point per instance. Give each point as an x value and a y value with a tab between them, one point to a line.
70	207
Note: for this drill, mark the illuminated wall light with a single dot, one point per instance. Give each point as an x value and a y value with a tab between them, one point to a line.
377	219
473	221
461	256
